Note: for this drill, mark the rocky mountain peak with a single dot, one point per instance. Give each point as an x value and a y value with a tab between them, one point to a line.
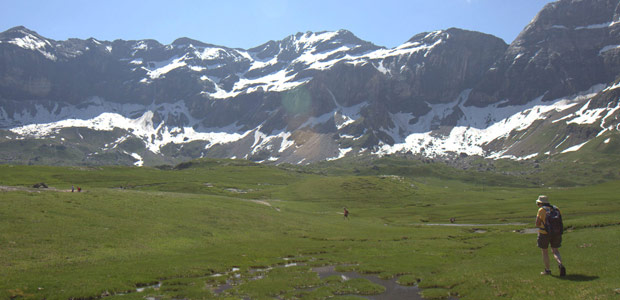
291	47
455	36
146	45
185	41
566	48
426	37
18	32
574	14
28	39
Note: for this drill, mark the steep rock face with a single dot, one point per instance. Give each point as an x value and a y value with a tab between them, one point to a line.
430	68
25	73
456	61
568	47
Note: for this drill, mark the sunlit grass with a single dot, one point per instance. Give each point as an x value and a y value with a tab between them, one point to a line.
181	233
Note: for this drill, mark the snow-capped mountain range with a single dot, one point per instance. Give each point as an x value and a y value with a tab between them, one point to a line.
315	96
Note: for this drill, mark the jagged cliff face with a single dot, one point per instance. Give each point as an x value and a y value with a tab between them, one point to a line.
567	48
313	96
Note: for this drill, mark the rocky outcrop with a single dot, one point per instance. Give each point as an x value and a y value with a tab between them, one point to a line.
568	47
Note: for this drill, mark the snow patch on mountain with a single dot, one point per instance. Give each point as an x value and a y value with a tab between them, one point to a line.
116	142
404	49
308	53
342	116
585	115
32	42
574	148
263	141
306	47
139	161
258	64
342	153
138	122
317	61
164	67
612	87
210	53
143	127
477	127
89	109
99	114
140	46
312	38
275	82
608	48
594	26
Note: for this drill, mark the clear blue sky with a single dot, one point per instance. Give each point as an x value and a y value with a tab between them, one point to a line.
249	23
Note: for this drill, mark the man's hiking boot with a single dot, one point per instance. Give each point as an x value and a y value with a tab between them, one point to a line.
545	272
562	270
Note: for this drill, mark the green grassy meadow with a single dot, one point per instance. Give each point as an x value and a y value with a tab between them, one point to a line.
225	229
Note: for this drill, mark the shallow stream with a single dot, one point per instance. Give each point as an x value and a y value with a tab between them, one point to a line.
393	290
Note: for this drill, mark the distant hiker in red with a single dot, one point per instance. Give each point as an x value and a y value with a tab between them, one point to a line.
79	189
346	213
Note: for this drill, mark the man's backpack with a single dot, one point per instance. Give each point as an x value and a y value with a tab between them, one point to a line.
553	220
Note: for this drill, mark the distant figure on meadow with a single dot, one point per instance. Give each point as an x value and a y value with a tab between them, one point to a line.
72	189
550	229
79	189
346	213
452	220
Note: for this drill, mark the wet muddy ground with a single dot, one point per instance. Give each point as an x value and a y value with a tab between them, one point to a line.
393	290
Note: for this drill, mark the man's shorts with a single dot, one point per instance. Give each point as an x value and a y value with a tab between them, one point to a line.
545	239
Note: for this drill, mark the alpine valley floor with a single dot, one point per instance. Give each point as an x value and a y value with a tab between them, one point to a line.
228	229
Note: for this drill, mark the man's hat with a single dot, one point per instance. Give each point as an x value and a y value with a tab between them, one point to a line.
542	199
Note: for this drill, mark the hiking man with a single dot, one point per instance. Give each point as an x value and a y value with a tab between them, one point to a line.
346	213
550	229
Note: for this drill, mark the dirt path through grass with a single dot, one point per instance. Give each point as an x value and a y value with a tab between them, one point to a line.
6	188
468	225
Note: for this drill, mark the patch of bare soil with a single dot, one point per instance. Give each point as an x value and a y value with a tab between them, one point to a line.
7	188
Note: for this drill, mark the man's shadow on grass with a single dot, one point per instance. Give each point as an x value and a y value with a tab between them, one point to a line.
578	277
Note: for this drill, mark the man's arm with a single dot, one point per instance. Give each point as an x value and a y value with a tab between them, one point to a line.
539	223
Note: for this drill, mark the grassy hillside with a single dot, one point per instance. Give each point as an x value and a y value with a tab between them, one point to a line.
228	229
